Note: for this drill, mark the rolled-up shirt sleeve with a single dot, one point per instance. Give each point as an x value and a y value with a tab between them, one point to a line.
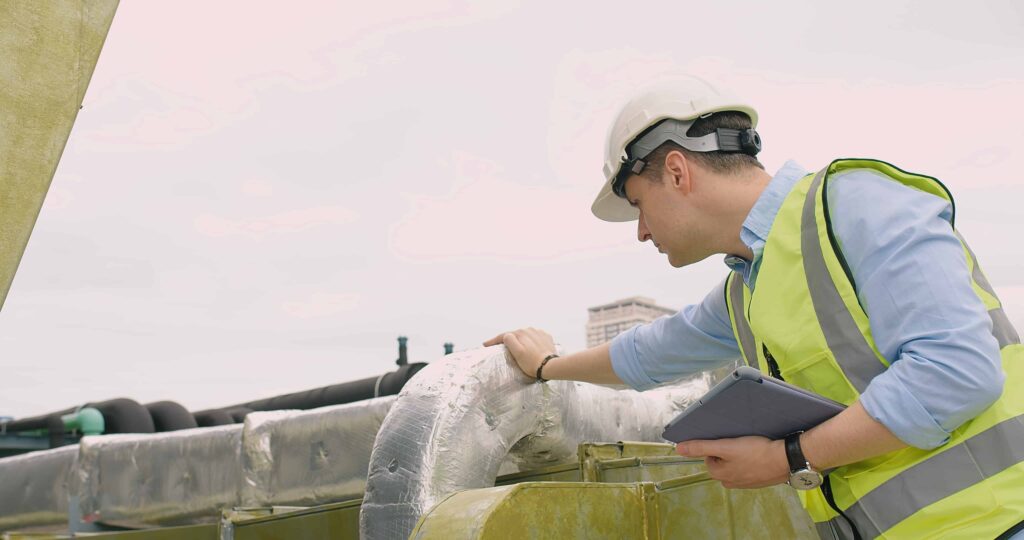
697	338
913	282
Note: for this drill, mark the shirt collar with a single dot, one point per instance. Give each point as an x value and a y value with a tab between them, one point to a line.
759	221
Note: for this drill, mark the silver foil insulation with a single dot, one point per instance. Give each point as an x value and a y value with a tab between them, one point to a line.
310	457
276	458
459	419
34	488
178	477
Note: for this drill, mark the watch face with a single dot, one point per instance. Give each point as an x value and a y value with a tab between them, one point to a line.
805	479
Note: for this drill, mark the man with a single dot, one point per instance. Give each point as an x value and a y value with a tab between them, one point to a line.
851	282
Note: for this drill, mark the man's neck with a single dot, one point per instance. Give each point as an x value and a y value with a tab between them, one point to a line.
743	192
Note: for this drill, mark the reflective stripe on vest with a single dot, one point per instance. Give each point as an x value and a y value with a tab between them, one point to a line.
980	457
1002	329
852	352
744	335
835	529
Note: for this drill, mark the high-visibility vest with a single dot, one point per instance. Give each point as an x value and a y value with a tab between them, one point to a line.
803	320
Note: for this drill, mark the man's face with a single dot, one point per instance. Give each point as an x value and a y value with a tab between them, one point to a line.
669	218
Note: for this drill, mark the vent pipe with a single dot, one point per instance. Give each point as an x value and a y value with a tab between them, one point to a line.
403	353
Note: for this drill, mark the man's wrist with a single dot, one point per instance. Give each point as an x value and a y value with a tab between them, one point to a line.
809	445
802	474
782	462
543	374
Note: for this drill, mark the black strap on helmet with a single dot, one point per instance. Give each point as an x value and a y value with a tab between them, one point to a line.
743	141
733	141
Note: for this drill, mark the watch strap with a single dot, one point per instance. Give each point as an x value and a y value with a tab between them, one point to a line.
794	454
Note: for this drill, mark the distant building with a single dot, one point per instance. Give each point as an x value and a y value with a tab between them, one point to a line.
609	320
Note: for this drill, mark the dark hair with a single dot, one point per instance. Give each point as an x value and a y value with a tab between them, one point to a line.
717	161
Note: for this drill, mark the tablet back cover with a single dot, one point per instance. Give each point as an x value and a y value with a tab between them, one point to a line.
751	404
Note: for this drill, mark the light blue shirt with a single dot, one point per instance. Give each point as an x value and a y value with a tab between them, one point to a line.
913	282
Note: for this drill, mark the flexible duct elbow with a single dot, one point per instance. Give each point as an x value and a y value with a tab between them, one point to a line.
463	416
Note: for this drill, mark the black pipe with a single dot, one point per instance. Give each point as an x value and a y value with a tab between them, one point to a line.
239	414
213	417
127	416
55	430
387	384
36	422
120	415
170	416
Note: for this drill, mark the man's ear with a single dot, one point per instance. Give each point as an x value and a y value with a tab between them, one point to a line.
677	172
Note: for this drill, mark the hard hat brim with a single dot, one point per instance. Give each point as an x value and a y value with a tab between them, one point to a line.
610	207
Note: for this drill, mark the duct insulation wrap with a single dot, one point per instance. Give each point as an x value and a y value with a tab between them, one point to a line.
178	477
306	458
34	488
461	417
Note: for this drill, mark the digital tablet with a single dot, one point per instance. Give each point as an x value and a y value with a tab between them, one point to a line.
751	403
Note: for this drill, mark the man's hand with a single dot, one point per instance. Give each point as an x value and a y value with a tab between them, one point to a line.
528	347
743	462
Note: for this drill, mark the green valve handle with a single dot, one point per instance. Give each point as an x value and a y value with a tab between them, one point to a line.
87	421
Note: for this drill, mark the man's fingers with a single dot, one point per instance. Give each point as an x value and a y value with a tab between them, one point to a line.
529	338
512	342
714	467
515	347
539	337
698	448
498	339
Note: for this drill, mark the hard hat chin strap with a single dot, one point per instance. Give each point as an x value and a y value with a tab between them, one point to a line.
736	141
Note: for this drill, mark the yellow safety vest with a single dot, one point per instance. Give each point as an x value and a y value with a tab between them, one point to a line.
804	321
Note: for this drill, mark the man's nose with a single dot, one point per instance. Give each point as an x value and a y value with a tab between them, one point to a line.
642	234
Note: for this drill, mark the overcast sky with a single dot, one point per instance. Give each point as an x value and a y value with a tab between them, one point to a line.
258	199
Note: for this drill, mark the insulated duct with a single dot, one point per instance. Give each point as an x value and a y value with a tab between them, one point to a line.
454	425
306	458
188	476
34	488
177	477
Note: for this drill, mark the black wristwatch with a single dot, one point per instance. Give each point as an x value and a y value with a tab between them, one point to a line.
801	475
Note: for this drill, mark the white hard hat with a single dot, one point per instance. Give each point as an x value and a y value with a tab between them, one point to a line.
683	100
